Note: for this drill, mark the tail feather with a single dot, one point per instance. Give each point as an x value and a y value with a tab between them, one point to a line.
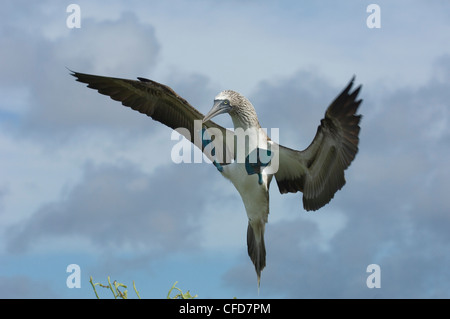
256	247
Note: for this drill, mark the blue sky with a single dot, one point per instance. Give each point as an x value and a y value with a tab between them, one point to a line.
86	181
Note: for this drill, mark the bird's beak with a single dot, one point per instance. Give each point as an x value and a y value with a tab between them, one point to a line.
218	108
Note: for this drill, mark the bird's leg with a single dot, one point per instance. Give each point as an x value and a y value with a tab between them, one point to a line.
260	181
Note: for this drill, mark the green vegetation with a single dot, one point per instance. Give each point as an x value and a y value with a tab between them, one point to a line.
117	290
180	295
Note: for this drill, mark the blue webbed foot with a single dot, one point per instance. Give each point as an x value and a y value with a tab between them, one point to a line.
206	140
218	166
256	161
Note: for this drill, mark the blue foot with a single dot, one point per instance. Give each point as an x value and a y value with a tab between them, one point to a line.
256	165
218	166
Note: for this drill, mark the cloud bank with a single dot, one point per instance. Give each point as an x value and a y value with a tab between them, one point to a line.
85	179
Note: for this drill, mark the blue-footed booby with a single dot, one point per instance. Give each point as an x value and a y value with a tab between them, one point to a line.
317	171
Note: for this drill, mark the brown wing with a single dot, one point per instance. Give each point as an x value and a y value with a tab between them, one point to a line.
159	102
318	171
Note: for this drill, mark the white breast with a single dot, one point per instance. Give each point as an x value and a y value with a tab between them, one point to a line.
254	195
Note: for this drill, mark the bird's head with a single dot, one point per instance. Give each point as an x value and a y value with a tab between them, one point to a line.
238	106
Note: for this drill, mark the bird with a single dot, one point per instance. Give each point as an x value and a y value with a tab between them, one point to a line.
317	171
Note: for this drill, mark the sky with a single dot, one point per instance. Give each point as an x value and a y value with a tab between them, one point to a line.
86	181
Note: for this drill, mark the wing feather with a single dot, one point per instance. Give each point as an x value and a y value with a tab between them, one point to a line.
318	171
159	102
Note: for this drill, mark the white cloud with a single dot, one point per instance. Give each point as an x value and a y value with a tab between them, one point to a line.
107	208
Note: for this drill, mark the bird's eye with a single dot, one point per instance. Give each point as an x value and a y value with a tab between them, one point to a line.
226	102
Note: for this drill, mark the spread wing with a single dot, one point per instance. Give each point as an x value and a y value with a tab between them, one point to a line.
161	103
318	171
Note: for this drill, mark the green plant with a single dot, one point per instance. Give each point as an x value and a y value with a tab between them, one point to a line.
117	287
114	287
180	295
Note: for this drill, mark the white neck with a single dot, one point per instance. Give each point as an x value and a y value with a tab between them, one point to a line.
245	120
